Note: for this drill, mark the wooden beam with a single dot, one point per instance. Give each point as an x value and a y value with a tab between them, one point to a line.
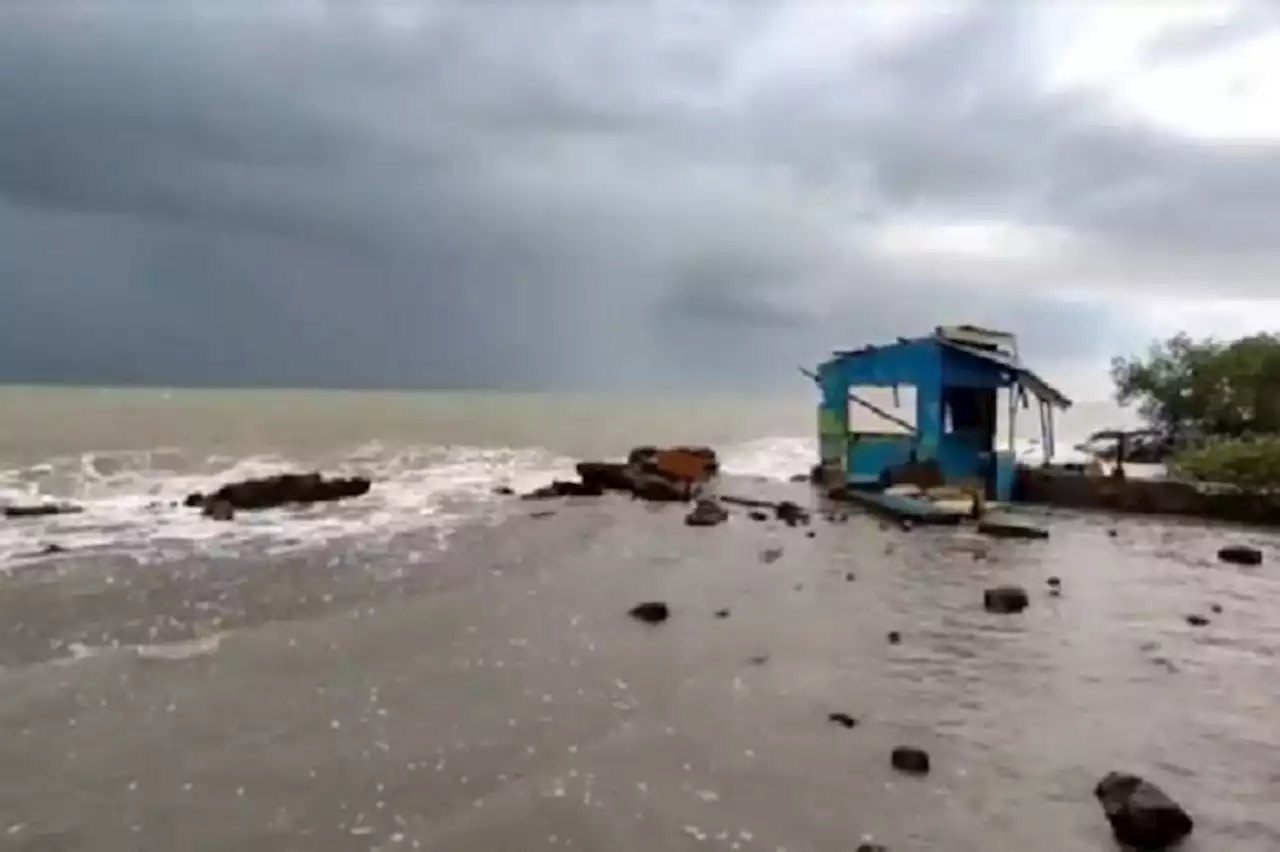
873	408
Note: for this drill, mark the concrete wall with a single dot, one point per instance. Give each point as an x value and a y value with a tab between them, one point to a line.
1144	496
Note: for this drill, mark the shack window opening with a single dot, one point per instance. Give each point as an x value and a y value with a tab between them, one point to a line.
881	411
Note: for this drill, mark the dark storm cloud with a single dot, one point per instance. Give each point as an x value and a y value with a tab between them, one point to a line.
545	194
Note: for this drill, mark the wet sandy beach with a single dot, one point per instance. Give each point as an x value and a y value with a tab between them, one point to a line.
498	697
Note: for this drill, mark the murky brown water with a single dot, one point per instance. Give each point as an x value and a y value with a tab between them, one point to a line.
499	698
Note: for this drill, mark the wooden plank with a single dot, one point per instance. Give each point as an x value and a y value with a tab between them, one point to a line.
900	507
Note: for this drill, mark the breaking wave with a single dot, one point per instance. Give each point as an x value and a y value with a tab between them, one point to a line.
132	500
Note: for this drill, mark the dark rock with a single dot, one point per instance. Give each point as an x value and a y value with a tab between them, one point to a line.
42	510
1240	554
538	516
1216	609
790	513
219	510
871	847
659	489
770	555
650	612
894	637
1140	813
51	549
1005	599
800	477
1054	582
811	534
722	613
565	488
504	491
288	488
1112	533
707	513
757	515
849	577
643	458
843	719
913	761
759	659
1197	620
1055	592
194	501
607	476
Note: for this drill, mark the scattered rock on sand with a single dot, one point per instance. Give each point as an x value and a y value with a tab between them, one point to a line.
911	760
1240	554
791	514
843	719
871	847
41	510
1005	600
722	613
757	515
1197	620
849	577
650	612
759	659
1216	609
1112	533
51	549
894	637
800	477
288	488
504	491
770	555
1054	582
538	516
707	513
1141	814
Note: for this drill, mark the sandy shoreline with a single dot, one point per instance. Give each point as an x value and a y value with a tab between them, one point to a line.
498	696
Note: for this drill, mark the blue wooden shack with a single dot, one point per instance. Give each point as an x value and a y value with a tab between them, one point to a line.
956	374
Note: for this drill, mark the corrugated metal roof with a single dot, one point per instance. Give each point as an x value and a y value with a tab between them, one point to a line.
1026	377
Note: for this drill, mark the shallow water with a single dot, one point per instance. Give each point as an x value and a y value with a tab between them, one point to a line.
495	695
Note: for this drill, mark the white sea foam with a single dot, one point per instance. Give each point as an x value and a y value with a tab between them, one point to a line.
132	500
777	458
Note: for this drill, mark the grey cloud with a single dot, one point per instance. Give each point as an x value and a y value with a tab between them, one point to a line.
531	195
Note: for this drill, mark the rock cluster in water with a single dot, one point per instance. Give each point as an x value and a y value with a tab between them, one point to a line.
273	491
674	474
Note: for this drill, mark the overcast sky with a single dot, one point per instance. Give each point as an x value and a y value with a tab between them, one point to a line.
550	194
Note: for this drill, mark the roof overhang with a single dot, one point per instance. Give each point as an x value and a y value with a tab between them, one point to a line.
1026	378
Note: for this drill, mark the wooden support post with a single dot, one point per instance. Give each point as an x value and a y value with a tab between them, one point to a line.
1013	415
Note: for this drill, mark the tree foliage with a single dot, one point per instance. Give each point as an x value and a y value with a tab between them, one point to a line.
1205	387
1226	395
1250	464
